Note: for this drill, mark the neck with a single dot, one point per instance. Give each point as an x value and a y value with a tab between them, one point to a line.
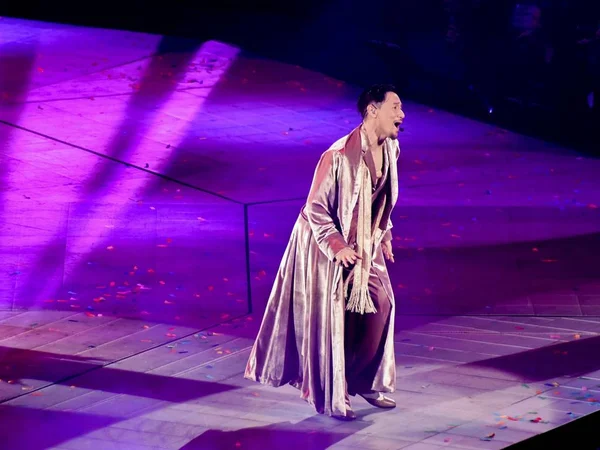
374	138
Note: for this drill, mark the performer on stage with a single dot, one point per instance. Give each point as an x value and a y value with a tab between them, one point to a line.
328	328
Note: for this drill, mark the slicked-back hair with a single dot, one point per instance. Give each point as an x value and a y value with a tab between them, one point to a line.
374	94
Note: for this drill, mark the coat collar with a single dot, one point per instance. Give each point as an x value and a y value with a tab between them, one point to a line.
355	147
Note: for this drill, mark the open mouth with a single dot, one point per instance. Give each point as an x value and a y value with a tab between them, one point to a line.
397	124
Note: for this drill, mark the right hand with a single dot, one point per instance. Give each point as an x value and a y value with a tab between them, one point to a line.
347	257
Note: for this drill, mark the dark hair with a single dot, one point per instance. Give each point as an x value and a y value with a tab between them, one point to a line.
374	94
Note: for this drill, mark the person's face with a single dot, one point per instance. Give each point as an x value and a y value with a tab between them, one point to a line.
388	116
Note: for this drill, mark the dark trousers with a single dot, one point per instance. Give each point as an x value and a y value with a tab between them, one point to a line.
364	340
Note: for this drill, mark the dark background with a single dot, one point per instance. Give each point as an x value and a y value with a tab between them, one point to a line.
529	66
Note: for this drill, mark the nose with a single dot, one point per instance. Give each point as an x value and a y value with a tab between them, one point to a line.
402	115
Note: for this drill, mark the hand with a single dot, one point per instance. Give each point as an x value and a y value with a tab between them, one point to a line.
347	256
387	250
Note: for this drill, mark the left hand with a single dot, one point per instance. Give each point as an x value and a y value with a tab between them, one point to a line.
388	253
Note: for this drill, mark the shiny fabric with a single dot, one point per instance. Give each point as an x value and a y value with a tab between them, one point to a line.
358	297
301	338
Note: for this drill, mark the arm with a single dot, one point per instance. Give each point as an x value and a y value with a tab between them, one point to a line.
319	207
388	234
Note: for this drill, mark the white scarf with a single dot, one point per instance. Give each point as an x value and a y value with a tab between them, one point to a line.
360	300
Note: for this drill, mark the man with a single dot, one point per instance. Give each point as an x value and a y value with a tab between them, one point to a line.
328	328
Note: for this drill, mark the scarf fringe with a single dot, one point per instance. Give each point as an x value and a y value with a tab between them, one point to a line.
360	301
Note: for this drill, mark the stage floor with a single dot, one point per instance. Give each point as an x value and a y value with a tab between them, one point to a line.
138	170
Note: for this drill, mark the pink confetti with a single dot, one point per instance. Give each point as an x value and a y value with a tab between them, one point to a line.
488	437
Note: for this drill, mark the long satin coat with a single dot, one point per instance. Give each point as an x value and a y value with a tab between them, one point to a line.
301	338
